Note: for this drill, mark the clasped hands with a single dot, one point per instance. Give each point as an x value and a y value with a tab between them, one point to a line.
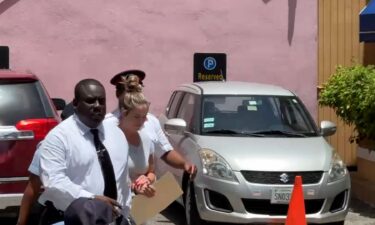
143	185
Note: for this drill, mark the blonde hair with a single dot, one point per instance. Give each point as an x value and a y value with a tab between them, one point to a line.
132	96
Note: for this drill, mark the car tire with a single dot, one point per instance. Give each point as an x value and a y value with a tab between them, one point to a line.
191	211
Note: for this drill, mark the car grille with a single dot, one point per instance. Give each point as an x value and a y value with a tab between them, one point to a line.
258	206
261	177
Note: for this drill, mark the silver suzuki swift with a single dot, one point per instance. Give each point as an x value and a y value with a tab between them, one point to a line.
249	141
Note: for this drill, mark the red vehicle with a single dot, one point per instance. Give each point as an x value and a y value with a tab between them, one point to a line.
26	116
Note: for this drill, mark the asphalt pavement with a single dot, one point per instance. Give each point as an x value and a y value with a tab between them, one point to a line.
359	214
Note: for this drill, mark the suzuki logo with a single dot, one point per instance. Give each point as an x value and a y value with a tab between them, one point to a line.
284	178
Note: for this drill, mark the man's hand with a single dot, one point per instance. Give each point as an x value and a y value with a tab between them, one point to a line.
175	159
191	169
113	203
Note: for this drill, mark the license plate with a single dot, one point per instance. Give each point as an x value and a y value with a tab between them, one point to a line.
281	195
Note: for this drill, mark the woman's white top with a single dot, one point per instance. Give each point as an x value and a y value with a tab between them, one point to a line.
139	156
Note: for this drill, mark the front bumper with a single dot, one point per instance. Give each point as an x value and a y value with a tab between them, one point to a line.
244	202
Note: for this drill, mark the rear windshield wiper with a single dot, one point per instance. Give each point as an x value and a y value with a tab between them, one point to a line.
280	132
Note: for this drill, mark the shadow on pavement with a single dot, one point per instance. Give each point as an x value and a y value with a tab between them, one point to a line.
361	208
175	213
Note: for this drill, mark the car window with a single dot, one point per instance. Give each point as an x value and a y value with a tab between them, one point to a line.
19	101
174	102
187	111
292	115
269	115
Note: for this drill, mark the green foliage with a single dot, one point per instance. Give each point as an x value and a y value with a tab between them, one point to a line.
350	92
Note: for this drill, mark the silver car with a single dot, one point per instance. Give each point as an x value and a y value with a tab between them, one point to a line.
249	141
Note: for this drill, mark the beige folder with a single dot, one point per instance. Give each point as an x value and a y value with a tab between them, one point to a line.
144	208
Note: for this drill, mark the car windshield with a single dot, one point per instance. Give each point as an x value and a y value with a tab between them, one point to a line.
257	116
22	100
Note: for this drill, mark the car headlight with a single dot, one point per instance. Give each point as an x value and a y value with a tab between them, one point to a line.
215	166
338	168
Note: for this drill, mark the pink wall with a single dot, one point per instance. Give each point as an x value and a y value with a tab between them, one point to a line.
272	41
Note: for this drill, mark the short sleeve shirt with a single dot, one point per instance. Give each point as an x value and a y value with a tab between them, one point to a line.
34	166
152	128
69	163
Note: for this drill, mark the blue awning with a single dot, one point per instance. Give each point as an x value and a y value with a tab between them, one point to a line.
367	23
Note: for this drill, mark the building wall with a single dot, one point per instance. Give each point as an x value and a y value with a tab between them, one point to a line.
271	41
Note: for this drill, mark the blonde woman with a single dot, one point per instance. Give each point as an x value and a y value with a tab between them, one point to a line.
134	109
163	149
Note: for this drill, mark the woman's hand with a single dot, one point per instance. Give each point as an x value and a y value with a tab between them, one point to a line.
141	180
142	185
146	189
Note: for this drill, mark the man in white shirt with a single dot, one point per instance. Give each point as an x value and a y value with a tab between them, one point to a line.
71	168
152	128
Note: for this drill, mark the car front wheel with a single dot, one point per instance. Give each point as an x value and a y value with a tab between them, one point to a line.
191	211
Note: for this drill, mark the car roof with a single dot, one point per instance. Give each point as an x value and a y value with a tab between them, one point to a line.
9	74
234	88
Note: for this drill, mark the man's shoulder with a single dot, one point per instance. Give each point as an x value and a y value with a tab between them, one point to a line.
152	123
64	126
151	116
115	113
60	132
113	133
111	126
109	115
111	118
152	119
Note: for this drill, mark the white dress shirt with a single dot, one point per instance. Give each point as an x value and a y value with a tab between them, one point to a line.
152	128
34	166
70	168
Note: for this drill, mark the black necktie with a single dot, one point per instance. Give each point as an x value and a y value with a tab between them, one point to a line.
110	189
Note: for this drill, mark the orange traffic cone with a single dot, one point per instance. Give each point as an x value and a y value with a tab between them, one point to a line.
296	211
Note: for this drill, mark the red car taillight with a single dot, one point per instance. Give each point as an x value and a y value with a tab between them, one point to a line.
40	127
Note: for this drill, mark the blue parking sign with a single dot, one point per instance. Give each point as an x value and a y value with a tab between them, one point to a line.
210	67
209	63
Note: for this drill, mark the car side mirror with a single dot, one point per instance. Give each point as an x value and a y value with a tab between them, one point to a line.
327	128
59	103
175	126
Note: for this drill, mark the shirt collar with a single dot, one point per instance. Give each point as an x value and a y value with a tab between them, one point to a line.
83	129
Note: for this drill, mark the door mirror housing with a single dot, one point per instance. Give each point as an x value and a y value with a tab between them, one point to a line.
327	128
175	126
59	103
